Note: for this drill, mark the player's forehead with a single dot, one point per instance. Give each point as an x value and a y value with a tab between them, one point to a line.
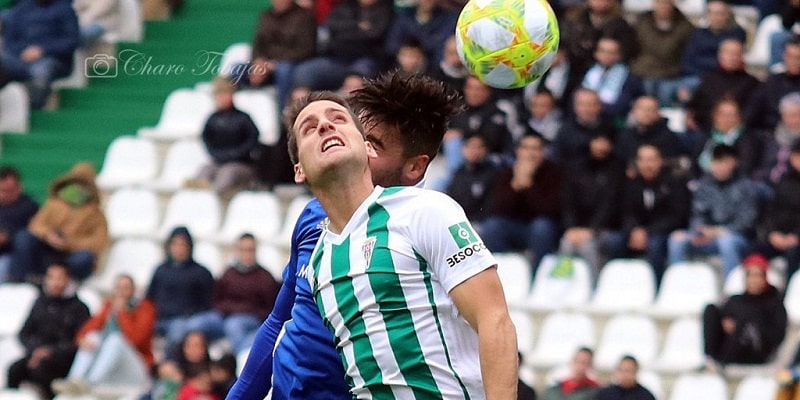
314	110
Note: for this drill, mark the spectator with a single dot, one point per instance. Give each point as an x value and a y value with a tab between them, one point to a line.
748	327
48	334
16	210
180	287
572	141
610	77
730	80
558	80
647	126
472	183
242	299
655	203
544	115
625	386
285	36
189	353
590	204
39	39
411	58
763	108
223	374
525	203
724	210
663	34
700	56
586	24
775	160
96	18
426	23
727	129
114	346
197	384
450	69
231	138
578	385
352	81
357	29
782	219
790	15
70	225
481	116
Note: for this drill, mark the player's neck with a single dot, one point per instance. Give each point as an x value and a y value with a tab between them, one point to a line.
341	199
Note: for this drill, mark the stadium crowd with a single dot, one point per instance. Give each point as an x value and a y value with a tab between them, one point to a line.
580	163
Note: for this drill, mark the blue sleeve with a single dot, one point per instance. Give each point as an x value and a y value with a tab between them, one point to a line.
256	377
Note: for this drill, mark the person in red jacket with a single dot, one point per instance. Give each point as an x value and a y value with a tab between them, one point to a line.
114	346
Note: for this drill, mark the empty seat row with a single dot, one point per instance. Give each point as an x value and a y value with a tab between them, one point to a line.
136	212
623	285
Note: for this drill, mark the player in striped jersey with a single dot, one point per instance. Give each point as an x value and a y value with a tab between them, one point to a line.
409	291
406	117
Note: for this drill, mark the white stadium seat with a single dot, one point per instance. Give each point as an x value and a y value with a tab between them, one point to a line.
15	106
296	207
184	160
16	300
636	335
183	116
699	386
129	161
258	213
135	257
198	210
686	289
262	106
756	387
132	212
560	335
623	285
560	283
514	271
683	347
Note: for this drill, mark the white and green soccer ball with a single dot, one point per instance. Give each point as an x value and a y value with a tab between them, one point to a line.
507	43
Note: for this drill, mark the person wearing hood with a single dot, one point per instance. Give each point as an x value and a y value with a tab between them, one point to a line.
180	287
48	334
69	226
724	211
242	298
39	40
748	327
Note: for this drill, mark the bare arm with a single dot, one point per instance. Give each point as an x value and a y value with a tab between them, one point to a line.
481	301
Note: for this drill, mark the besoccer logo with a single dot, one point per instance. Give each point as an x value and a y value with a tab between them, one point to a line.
463	234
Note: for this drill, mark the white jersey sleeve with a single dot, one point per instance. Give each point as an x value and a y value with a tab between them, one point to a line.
447	240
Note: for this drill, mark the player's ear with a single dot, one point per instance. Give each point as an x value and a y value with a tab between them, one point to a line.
299	175
414	168
371	153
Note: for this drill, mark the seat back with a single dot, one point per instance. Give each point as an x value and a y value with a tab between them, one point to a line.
129	161
135	257
262	106
184	160
756	387
132	212
624	285
515	275
561	334
237	53
258	213
686	288
636	335
198	210
683	346
16	300
561	282
15	104
699	386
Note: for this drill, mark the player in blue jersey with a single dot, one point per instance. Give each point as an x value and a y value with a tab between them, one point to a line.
405	118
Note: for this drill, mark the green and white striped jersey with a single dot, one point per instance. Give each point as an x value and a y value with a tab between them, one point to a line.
382	287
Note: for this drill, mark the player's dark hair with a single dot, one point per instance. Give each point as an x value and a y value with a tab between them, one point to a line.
297	107
417	106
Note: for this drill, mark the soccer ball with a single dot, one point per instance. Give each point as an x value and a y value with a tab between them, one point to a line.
507	43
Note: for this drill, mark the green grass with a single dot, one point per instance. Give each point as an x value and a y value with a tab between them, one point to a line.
89	119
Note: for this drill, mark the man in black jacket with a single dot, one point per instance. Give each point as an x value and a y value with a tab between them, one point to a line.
231	138
782	220
625	386
748	327
654	204
49	333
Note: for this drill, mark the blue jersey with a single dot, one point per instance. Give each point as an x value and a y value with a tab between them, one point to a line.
305	363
